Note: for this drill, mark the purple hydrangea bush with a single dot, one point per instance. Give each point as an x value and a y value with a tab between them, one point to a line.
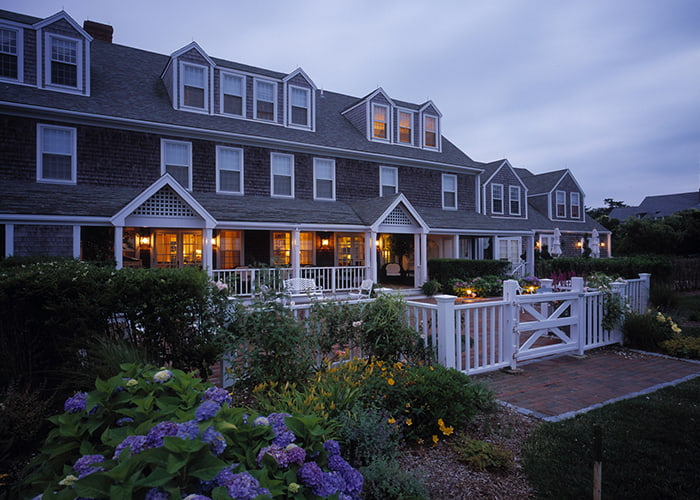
165	434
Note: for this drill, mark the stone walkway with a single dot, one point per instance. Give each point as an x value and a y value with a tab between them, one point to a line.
560	387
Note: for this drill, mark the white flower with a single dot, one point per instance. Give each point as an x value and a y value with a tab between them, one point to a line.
68	480
356	324
163	376
261	421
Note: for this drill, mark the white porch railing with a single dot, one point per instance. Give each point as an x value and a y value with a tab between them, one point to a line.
248	281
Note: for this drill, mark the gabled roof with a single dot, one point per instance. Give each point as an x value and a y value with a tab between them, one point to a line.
301	72
547	182
659	206
492	168
62	15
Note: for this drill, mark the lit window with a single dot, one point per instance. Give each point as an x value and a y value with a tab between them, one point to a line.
299	106
380	123
449	191
514	199
306	249
229	246
282	172
561	203
56	154
575	205
497	198
232	94
405	127
176	160
324	179
265	99
9	54
229	166
281	249
63	67
430	132
194	86
388	181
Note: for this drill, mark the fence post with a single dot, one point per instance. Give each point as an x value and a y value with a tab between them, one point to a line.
577	285
511	335
646	284
446	330
618	293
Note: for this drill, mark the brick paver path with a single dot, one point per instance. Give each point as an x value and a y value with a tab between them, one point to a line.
560	387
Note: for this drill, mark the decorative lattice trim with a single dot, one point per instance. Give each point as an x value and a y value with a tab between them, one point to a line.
165	203
398	217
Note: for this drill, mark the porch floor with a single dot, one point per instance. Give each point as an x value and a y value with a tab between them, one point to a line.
560	387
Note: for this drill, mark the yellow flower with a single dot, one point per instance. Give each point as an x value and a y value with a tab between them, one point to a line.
398	365
390	381
392	420
676	329
435	439
447	430
408	405
441	423
409	421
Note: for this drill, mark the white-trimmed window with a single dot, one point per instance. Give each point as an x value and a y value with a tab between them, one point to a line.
514	200
497	198
282	175
56	154
265	100
324	179
281	249
430	131
11	63
388	181
380	122
405	127
232	94
575	204
449	191
299	106
194	86
561	203
64	59
176	160
229	170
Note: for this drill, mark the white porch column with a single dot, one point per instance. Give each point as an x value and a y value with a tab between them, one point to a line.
296	255
118	235
495	255
609	238
423	260
455	247
371	254
9	240
76	242
207	250
530	255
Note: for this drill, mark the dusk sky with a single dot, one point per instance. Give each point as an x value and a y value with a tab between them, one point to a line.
607	89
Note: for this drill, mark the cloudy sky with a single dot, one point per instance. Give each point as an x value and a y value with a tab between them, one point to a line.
607	89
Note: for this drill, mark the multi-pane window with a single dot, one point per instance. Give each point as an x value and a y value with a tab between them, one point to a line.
232	94
430	131
194	86
281	248
282	173
380	121
388	181
265	100
229	166
9	54
299	107
561	203
449	191
56	154
229	246
63	66
575	201
497	198
306	249
405	127
176	160
514	199
324	179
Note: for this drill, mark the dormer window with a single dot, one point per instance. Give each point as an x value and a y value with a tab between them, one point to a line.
10	54
194	86
299	107
380	121
497	198
265	100
514	200
561	203
430	128
405	127
64	56
232	94
575	201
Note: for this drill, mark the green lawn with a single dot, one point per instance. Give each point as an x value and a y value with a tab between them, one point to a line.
651	449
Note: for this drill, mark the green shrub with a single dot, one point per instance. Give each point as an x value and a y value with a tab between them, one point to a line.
367	435
444	270
661	268
482	454
334	325
386	480
148	431
431	287
682	346
648	330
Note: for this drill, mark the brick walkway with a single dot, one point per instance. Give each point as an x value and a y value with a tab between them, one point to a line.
557	388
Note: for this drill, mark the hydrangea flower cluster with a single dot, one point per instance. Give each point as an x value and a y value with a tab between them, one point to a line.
207	410
76	403
290	454
241	486
218	395
283	436
162	376
342	479
87	464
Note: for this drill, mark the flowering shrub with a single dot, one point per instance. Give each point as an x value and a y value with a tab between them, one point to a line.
649	330
529	283
149	433
481	286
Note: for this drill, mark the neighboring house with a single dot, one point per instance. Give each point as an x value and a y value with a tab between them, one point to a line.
656	207
111	152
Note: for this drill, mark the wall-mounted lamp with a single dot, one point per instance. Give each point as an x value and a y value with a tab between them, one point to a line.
324	243
145	241
579	244
602	243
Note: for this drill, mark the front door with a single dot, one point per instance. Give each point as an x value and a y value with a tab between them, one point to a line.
509	249
178	248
